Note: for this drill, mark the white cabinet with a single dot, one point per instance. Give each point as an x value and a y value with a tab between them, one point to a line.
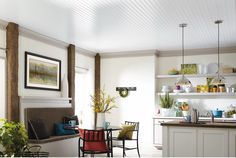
182	142
232	143
198	141
157	130
213	142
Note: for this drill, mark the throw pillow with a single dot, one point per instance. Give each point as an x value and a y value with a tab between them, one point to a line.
38	129
60	129
126	132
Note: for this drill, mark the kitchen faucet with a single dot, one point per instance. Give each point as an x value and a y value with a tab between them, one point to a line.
195	116
212	117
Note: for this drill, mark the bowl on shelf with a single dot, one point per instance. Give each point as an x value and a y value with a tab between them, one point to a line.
173	72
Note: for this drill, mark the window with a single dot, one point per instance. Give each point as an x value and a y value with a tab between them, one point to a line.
2	85
83	86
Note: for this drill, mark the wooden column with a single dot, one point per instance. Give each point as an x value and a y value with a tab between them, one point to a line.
97	79
71	74
12	36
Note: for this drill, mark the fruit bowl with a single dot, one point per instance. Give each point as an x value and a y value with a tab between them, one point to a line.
173	72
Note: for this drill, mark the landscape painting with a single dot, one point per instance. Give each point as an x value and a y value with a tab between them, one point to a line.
42	72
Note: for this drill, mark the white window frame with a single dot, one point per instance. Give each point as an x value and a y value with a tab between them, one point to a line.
3	56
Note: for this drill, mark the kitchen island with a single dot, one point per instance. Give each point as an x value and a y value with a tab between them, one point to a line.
182	139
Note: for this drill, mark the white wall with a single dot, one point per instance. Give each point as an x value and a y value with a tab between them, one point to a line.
201	103
139	105
2	75
41	48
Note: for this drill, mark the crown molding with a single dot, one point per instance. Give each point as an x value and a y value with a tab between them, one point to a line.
52	41
85	52
138	53
203	51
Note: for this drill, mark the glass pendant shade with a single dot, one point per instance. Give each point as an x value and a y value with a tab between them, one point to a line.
183	81
218	80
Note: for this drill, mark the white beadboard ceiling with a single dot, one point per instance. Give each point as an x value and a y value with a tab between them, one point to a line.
127	25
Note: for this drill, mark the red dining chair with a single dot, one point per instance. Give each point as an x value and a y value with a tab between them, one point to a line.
95	142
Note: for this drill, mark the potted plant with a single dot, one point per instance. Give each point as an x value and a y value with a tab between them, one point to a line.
166	103
102	103
13	138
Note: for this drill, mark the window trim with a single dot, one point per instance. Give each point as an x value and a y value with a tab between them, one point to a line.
81	70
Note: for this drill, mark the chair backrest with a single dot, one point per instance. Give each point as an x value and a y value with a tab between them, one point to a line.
94	135
133	123
96	140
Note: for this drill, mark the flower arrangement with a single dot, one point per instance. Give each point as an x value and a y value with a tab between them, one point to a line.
102	103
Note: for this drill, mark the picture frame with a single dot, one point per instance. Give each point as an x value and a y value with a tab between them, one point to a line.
42	72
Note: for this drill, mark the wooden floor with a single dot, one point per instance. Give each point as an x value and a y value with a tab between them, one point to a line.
150	151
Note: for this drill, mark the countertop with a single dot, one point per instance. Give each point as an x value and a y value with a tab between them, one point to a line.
220	124
200	118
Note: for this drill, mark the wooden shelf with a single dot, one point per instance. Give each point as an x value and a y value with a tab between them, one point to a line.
199	94
195	75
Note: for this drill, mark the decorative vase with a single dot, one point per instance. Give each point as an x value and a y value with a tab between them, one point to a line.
64	91
100	119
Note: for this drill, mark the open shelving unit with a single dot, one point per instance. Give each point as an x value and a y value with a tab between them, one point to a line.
194	75
200	94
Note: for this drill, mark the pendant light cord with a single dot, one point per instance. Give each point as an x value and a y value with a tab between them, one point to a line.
183	49
218	22
183	25
218	50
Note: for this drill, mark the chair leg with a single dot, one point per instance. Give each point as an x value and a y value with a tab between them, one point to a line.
79	148
123	144
138	149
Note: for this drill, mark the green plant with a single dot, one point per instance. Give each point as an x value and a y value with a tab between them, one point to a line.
166	101
13	138
102	103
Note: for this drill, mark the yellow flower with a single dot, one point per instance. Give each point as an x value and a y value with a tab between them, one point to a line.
102	103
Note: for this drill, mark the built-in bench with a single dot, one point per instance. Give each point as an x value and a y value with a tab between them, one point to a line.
52	139
51	116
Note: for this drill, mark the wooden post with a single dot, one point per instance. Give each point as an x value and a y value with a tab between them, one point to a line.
97	79
71	74
12	37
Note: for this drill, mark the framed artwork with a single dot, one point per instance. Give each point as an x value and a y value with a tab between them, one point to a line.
42	72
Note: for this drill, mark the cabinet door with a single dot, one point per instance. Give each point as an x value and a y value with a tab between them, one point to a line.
158	132
213	142
232	143
182	142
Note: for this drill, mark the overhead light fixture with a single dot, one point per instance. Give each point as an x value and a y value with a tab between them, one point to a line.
183	81
218	80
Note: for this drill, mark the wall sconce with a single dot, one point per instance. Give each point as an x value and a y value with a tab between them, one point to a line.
124	91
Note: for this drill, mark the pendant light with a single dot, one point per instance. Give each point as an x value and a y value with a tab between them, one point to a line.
183	81
218	80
